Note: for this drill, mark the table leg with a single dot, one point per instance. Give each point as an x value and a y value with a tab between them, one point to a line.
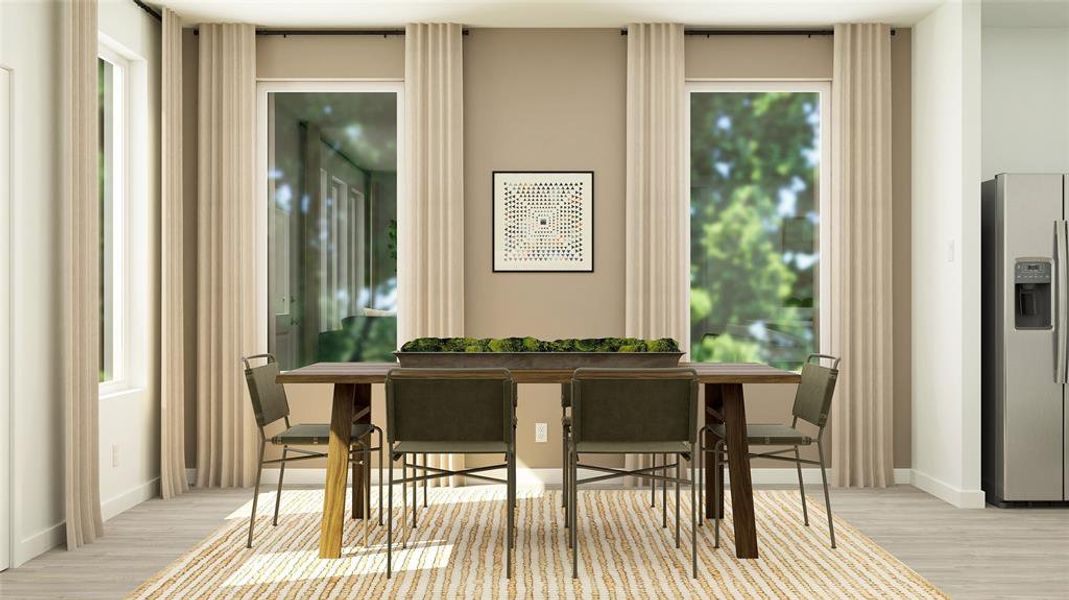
341	419
361	400
739	467
714	413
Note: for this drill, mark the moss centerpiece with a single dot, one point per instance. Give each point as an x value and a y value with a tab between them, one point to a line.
533	353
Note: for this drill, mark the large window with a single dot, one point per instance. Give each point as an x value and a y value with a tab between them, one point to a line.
113	127
756	154
332	161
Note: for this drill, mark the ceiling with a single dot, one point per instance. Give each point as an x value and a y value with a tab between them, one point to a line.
550	13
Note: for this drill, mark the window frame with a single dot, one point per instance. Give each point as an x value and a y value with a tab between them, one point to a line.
824	232
267	86
121	267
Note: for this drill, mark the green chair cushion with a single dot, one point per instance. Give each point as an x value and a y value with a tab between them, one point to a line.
451	447
644	447
315	434
768	434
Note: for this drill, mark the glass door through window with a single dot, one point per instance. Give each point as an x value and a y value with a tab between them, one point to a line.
332	192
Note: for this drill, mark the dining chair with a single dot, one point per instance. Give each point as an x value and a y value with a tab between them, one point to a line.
566	432
450	411
270	405
812	403
628	411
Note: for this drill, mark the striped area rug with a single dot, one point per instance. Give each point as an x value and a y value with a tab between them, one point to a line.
457	551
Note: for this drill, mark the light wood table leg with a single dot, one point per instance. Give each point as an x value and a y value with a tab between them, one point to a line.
739	466
341	423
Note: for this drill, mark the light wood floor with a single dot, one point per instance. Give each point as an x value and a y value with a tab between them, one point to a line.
987	553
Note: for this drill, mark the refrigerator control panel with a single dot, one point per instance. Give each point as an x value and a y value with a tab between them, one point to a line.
1032	272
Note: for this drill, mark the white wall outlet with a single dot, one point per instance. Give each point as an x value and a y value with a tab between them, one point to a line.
541	432
115	455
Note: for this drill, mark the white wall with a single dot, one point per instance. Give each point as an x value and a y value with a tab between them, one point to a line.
29	47
1025	100
945	254
129	420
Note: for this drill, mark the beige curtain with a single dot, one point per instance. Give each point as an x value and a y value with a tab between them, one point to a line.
172	310
658	260
431	258
861	326
79	305
227	304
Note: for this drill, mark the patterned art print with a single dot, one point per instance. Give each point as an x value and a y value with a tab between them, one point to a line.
543	221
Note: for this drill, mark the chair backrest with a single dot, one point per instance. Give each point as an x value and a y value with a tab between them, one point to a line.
450	405
628	405
812	401
269	402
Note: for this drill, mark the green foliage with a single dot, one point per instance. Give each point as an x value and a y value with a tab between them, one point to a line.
530	344
753	226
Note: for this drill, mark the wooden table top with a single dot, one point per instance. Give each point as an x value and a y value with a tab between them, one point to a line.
376	373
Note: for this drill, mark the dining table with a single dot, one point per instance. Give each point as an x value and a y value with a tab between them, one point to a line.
724	403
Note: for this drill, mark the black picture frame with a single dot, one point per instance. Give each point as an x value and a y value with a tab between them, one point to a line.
493	220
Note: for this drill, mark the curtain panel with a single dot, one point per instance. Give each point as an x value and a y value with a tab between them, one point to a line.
80	256
172	231
431	223
658	219
227	303
861	254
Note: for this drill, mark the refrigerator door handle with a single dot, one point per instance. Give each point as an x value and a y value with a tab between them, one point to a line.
1061	259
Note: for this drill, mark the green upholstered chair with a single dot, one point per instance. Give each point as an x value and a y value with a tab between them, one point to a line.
269	405
627	411
450	411
812	403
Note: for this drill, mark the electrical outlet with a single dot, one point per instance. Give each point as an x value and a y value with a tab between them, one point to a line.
541	432
115	455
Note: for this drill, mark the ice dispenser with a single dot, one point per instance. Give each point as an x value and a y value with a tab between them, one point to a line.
1031	294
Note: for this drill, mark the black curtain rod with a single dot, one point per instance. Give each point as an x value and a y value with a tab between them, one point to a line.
149	10
368	32
715	32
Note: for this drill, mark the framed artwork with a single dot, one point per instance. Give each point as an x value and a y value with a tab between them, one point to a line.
543	221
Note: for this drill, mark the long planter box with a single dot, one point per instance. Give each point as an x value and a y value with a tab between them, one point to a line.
538	360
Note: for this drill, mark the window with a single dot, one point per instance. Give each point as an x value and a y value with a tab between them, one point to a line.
332	191
112	118
756	192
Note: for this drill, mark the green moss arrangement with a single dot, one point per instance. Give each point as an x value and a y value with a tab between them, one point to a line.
530	344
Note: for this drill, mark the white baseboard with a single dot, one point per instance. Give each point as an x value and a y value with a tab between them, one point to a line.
552	476
946	492
38	543
130	498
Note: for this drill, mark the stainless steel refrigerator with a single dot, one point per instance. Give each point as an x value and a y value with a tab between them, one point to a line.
1025	337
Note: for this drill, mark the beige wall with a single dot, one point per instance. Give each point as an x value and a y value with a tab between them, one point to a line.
556	99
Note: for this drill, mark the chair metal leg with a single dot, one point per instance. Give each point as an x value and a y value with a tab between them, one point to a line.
281	476
573	499
718	484
382	451
389	527
699	483
415	487
827	497
256	493
404	501
509	496
653	482
564	465
355	488
694	518
664	491
366	487
801	486
679	476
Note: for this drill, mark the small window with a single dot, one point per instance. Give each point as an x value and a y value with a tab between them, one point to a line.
112	192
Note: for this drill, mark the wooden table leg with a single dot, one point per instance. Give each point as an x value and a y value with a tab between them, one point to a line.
361	400
341	425
739	467
714	411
